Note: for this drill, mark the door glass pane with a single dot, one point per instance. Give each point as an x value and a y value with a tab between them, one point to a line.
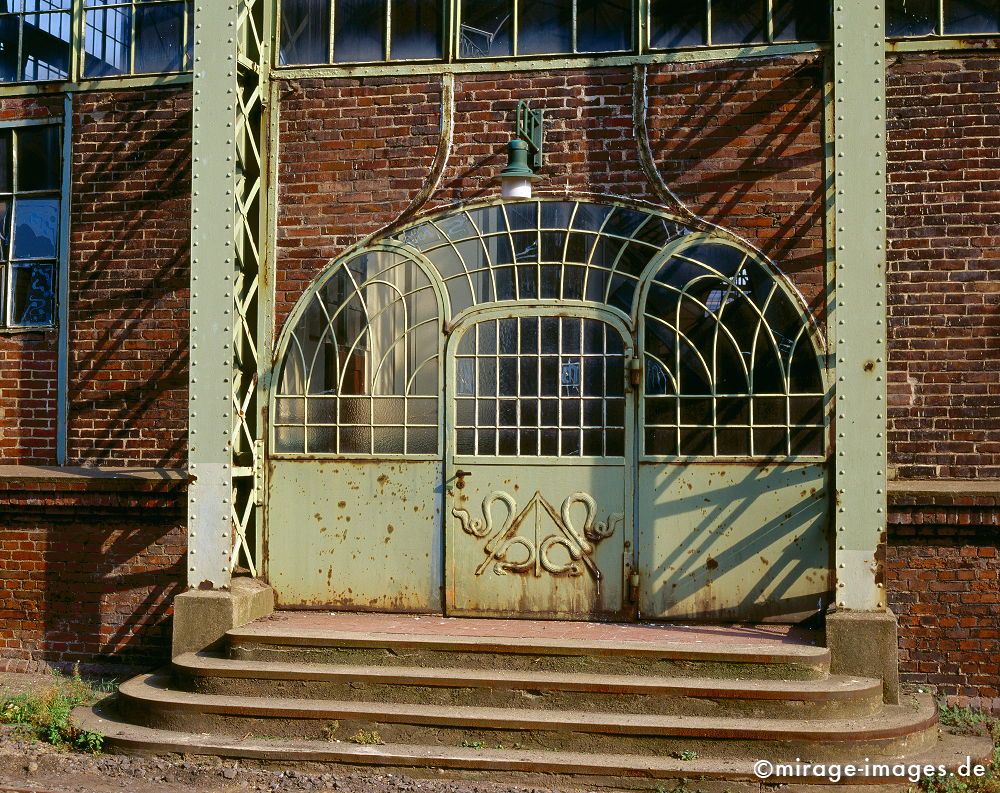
359	31
576	392
37	232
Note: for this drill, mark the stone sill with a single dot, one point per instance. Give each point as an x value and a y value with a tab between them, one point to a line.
42	486
944	492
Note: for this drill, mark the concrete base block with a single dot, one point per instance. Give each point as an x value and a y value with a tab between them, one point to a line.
202	617
865	643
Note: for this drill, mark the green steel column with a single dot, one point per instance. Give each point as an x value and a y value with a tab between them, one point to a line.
213	265
858	314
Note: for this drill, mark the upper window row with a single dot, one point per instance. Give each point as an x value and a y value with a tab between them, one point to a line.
359	31
367	31
84	39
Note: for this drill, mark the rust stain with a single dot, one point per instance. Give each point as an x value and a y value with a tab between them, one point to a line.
341	504
869	365
711	564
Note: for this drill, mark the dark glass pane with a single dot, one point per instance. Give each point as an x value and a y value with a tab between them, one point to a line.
45	46
911	17
696	411
486	29
556	214
550	443
593	443
529	442
657	379
487	413
804	375
553	243
769	410
355	440
289	439
770	440
32	295
321	439
807	440
107	40
527	281
416	29
508	442
767	374
573	280
322	410
38	158
571	328
738	21
614	443
550	277
615	412
487	337
593	377
549	385
508	376
550	334
529	412
10	27
661	442
504	278
661	411
355	410
971	16
305	37
550	413
805	410
677	23
801	20
544	26
389	411
421	411
732	410
36	235
388	440
465	412
603	25
593	413
487	377
529	335
422	440
508	336
570	413
6	161
696	441
569	445
359	31
159	38
465	441
525	246
529	377
487	441
733	441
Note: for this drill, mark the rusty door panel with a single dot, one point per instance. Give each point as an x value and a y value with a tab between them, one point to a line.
537	541
733	541
362	535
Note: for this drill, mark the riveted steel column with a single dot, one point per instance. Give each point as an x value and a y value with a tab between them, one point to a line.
858	313
213	264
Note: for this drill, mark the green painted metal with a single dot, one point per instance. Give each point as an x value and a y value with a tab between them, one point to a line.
101	84
356	534
213	269
62	300
858	313
530	127
728	541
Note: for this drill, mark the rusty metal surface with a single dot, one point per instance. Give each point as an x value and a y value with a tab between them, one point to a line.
733	542
358	534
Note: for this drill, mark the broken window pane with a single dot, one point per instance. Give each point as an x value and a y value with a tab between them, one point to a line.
486	29
738	21
359	31
305	32
544	26
971	16
678	23
603	25
159	38
32	294
38	159
801	20
416	29
911	17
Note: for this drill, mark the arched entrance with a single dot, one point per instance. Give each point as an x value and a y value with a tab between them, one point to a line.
550	409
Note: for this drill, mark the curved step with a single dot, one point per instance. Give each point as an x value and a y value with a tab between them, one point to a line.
510	766
262	641
533	690
896	731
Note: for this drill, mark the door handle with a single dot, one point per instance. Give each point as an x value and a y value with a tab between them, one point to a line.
460	475
463	473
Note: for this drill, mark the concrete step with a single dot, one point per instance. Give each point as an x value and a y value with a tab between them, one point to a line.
833	697
713	773
895	732
266	641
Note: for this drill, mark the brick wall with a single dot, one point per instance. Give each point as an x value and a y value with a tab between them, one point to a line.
88	571
354	152
28	360
130	269
942	568
944	267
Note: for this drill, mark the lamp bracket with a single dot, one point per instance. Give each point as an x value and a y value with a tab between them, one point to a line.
529	129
